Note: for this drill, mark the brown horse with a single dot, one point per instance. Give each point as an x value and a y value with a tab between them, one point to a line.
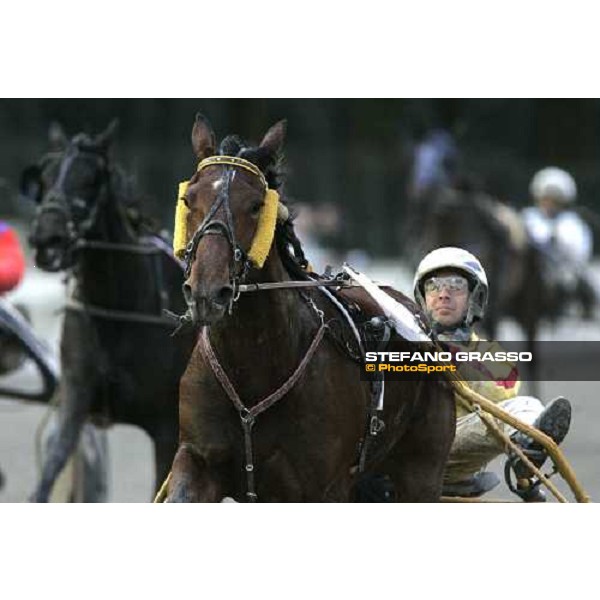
271	407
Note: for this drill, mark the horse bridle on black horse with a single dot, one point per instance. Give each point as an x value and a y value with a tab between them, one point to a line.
56	199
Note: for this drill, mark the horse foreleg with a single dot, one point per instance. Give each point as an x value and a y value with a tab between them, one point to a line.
192	479
165	446
60	447
94	465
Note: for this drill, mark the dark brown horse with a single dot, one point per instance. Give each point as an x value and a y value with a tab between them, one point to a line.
119	361
289	425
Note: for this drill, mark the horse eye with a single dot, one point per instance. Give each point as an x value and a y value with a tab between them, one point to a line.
256	208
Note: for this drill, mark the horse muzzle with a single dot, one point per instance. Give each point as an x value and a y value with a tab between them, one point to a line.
51	257
207	307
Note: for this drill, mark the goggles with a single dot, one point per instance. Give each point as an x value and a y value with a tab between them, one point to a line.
453	283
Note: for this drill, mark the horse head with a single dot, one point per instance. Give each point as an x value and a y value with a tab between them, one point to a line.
69	184
230	216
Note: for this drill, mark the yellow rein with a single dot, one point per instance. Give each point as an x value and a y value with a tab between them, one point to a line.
267	220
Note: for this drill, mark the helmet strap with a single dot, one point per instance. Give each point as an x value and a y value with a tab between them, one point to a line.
474	310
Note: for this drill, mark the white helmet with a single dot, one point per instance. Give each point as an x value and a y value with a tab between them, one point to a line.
455	258
553	182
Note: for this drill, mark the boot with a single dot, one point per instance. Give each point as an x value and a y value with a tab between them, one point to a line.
554	421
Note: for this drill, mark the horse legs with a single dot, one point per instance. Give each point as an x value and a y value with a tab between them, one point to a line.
192	480
61	445
93	465
165	446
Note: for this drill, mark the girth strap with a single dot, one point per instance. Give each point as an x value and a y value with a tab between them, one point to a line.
248	415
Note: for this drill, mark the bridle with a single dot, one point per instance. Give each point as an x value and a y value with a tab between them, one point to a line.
57	200
241	261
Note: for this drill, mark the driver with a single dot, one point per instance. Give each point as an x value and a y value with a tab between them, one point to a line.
451	287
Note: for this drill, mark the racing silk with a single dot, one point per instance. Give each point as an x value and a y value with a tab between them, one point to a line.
498	381
12	261
567	231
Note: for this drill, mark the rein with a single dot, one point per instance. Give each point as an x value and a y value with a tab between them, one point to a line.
284	285
127	316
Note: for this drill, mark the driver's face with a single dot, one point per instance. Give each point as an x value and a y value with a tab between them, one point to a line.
446	306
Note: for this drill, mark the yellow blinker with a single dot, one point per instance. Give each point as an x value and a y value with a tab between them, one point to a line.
181	214
261	244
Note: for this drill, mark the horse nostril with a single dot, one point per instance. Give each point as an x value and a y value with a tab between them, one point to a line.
187	292
224	295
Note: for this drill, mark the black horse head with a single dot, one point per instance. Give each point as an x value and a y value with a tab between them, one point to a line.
69	185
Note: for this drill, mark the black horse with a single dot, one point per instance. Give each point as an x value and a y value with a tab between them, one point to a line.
119	361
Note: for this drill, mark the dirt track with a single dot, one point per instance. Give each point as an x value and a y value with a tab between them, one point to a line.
130	448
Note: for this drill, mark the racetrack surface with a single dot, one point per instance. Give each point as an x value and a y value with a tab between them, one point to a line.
130	449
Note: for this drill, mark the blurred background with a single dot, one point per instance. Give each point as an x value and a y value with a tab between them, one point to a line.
349	172
354	154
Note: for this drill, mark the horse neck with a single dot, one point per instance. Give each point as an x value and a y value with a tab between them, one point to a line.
109	278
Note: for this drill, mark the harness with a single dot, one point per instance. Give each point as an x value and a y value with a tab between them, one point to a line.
147	247
248	415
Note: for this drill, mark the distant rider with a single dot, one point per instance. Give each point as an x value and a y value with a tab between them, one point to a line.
563	237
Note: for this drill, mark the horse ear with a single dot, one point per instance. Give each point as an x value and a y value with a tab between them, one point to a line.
57	138
106	138
204	140
274	138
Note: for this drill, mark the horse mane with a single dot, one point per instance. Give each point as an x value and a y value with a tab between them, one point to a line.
288	244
